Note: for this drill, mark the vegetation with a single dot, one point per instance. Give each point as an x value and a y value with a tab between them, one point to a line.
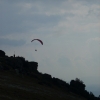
20	80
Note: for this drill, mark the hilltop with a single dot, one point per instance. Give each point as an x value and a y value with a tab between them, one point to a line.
21	80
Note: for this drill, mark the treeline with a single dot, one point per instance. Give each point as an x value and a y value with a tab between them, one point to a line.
78	87
19	64
75	86
24	67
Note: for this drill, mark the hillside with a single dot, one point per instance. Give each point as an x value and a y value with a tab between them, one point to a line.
14	87
21	80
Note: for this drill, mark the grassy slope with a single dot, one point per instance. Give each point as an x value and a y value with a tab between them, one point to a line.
14	87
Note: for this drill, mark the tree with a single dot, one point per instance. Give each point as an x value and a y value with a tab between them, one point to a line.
2	53
91	97
77	83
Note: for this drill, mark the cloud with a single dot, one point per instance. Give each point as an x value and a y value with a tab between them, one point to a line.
64	62
4	41
39	16
25	21
94	39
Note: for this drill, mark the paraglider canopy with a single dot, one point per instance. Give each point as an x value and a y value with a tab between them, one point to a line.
38	40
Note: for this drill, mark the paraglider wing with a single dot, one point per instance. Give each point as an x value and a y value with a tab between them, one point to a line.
38	40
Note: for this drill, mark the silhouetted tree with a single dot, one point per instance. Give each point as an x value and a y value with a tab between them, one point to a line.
77	84
91	96
78	87
2	53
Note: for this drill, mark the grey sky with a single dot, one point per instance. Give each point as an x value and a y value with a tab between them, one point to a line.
70	30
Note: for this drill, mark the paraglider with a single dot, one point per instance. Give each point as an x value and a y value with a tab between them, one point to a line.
38	40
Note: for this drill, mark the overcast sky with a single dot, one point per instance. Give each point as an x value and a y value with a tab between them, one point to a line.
69	29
